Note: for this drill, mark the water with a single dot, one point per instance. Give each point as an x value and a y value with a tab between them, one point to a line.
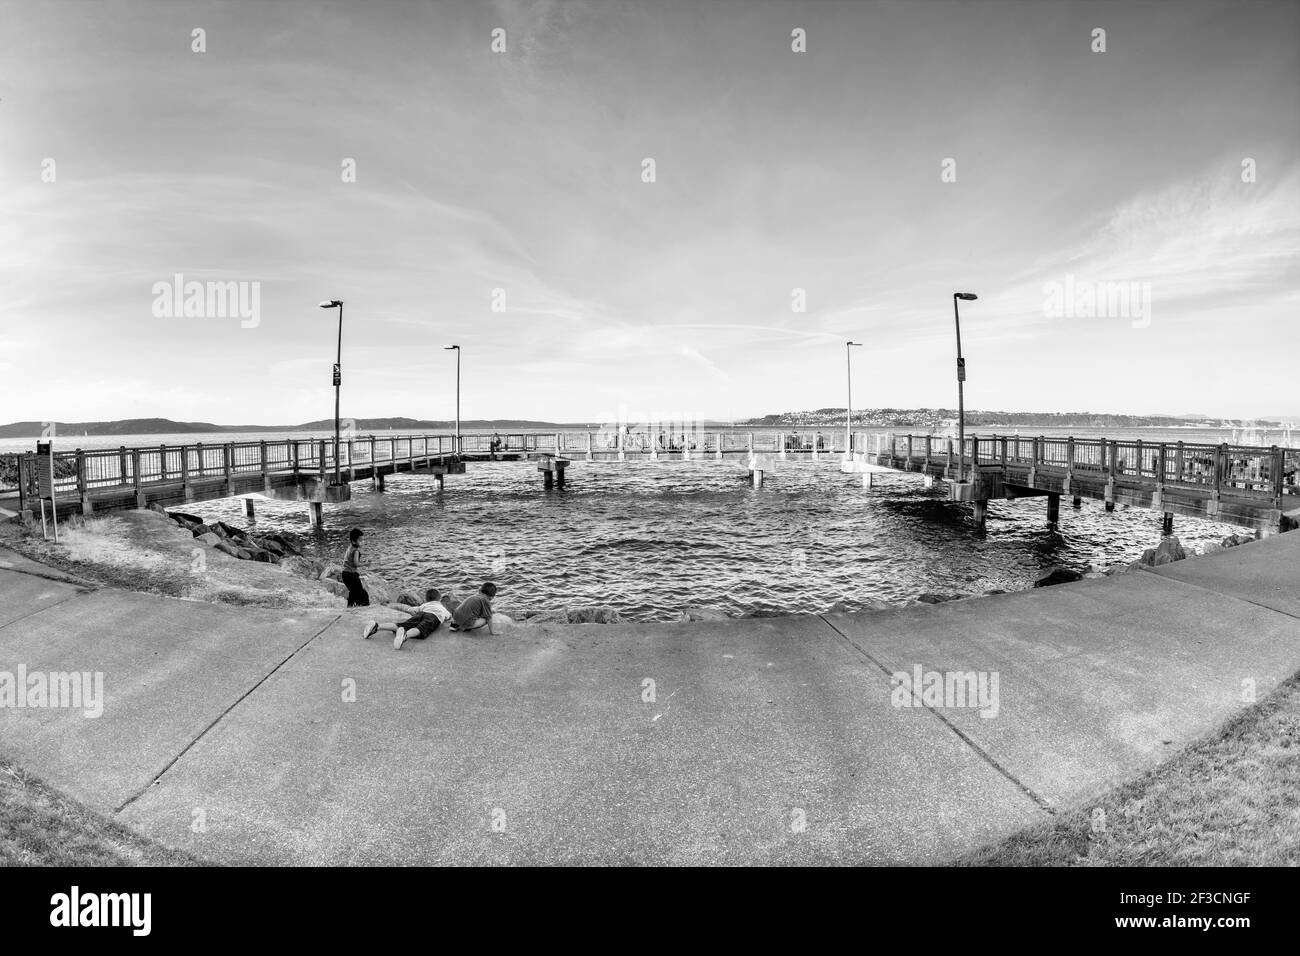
653	538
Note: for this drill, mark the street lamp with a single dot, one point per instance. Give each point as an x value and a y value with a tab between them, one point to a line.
961	378
338	381
456	349
848	412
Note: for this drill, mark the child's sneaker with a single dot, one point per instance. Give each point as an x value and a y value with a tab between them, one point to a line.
369	629
399	640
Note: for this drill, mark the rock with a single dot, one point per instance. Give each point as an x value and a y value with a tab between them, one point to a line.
154	506
705	614
243	554
1211	548
286	546
549	617
1167	552
407	598
227	548
267	544
303	567
1233	540
210	539
190	521
1057	575
598	614
200	530
929	597
229	531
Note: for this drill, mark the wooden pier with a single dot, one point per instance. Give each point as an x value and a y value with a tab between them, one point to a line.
1244	485
1237	484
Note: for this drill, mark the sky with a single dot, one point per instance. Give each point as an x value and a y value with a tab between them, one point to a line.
500	202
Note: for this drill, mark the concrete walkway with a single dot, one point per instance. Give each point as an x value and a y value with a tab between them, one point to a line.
258	736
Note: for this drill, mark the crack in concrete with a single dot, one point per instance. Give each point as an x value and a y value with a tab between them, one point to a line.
965	738
221	716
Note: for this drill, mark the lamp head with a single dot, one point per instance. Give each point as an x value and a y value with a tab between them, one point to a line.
965	296
330	303
448	348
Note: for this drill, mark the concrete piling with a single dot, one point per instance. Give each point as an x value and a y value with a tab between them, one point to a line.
248	508
1053	511
315	514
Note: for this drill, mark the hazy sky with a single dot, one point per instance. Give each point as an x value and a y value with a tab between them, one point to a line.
522	171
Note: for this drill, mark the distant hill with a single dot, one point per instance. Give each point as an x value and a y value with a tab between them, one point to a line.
940	417
165	426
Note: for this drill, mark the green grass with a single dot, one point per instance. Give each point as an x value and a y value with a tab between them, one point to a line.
41	827
1233	799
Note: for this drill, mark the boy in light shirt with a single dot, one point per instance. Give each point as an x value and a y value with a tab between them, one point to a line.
428	617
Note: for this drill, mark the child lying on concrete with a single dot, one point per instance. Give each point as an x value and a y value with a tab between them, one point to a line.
428	617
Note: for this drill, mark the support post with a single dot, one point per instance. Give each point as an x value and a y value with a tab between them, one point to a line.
1167	527
248	508
866	480
439	477
1078	502
719	451
780	444
548	480
981	512
589	453
1053	511
227	464
756	476
379	480
135	477
87	507
315	514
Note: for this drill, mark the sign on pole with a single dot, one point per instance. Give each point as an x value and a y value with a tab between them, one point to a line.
338	376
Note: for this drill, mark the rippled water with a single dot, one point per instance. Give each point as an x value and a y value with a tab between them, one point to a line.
651	538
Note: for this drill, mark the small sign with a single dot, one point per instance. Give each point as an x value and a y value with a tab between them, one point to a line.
338	376
961	370
45	469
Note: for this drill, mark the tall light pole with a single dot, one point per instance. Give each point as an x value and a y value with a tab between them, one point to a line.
848	412
338	381
456	349
961	379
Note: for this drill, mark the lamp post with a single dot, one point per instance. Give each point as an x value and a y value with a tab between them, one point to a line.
456	349
961	378
848	412
338	382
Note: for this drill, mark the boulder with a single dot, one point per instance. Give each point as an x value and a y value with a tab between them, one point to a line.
929	597
1232	540
190	521
1211	548
596	614
154	506
705	614
549	617
1057	575
286	546
230	531
210	539
267	544
200	530
1167	552
227	548
407	598
303	567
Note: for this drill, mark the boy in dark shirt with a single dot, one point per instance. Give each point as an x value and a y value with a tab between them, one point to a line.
476	611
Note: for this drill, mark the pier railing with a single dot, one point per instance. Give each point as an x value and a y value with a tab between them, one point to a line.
1269	472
